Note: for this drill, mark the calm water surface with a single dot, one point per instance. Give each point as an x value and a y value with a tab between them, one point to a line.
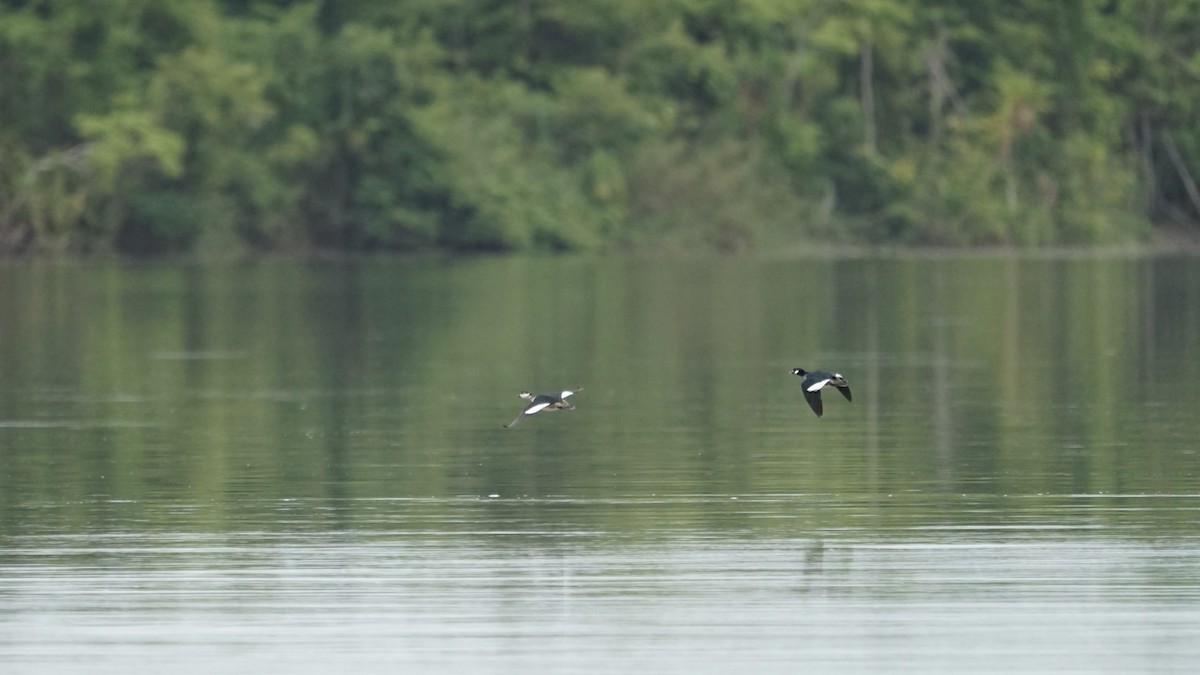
300	467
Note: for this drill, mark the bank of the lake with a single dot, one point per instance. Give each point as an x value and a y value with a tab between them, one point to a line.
219	127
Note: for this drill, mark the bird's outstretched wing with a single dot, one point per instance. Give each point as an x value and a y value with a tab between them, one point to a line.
536	407
845	391
814	401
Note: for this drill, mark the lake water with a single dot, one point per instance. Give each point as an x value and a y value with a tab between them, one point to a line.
301	467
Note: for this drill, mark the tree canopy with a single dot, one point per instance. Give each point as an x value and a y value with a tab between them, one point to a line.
147	127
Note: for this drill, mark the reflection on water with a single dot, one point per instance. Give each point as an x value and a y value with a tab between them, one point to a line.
481	585
301	466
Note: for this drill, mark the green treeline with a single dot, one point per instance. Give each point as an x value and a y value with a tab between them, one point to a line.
150	127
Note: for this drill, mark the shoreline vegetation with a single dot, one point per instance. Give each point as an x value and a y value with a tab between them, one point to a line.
215	128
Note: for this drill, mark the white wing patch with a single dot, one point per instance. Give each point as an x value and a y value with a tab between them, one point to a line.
535	408
816	386
566	393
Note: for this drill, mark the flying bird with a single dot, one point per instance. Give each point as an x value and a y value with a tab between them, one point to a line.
815	381
542	402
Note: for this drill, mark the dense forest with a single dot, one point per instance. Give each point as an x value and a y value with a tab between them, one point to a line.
147	127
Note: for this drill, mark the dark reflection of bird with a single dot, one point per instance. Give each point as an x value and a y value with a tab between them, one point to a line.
544	402
815	381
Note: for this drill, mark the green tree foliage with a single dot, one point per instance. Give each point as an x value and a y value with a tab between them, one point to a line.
215	125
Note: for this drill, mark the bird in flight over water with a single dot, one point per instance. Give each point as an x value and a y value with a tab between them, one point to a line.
544	402
815	381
